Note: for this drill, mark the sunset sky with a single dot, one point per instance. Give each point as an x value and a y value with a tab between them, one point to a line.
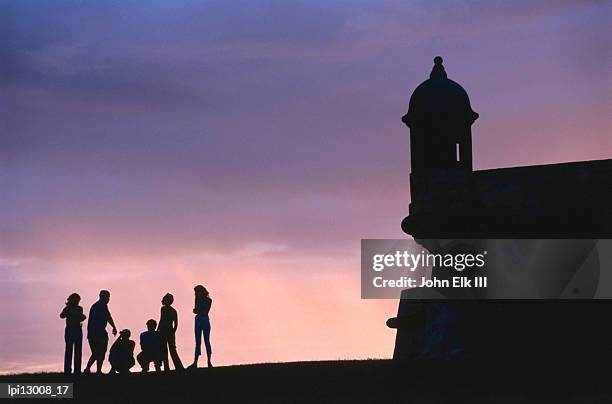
146	147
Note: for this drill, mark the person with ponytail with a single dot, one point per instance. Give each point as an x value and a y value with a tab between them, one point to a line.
201	309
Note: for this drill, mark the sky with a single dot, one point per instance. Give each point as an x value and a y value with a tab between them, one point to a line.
146	147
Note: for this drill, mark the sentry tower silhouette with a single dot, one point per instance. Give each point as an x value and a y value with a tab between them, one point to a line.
449	199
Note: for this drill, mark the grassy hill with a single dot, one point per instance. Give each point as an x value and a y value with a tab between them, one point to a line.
372	381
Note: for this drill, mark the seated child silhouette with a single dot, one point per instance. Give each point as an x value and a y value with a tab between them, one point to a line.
150	343
121	355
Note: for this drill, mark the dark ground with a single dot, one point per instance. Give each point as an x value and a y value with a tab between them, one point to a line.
373	381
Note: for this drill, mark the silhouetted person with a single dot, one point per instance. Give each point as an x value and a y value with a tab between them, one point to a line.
121	355
151	346
73	335
99	316
168	324
201	308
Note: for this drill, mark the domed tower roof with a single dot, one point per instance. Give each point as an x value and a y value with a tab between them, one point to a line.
439	99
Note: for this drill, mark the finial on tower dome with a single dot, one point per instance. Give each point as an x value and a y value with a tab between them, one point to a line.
438	71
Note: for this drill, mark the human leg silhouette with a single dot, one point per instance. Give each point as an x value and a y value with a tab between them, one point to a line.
207	343
98	346
92	357
103	344
171	348
78	351
90	362
145	359
69	349
143	362
199	330
164	354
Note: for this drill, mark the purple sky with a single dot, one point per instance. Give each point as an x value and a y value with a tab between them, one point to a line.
249	146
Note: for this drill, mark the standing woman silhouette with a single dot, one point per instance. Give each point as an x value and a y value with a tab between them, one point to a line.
202	324
73	335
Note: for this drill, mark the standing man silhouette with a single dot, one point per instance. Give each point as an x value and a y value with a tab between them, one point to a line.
99	316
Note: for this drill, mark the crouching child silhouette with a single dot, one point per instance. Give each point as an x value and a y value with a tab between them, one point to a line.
121	355
151	346
73	335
